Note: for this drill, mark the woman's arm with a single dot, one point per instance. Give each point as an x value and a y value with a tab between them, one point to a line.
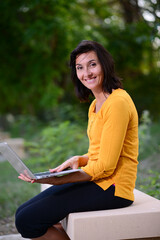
74	163
79	176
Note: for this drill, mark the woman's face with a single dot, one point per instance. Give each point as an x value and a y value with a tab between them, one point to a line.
89	71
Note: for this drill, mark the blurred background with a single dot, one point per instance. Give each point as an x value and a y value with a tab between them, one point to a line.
39	113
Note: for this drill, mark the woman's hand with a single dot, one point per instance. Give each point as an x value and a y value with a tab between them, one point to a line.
79	176
25	177
72	162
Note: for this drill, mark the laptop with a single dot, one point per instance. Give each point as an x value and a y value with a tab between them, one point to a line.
20	166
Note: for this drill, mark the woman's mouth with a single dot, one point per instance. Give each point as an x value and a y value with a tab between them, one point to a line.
90	80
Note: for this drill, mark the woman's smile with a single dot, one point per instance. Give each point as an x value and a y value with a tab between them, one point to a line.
91	80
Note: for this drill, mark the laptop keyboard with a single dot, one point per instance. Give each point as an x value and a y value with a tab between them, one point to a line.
42	173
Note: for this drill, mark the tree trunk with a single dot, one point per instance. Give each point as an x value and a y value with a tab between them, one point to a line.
131	10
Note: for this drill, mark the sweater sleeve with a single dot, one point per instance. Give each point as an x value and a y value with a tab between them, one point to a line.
116	119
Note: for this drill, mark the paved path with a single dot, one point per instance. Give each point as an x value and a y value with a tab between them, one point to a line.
12	237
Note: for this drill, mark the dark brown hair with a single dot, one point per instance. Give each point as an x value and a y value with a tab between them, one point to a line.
111	81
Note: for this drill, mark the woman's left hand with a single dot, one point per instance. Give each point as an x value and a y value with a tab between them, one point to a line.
50	180
25	177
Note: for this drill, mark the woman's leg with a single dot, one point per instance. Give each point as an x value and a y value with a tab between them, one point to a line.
34	218
53	233
35	213
34	199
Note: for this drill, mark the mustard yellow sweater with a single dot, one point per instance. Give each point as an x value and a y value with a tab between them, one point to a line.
113	144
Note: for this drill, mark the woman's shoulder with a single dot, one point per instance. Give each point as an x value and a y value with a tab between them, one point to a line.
119	96
119	100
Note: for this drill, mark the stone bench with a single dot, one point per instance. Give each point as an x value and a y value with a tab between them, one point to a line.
139	221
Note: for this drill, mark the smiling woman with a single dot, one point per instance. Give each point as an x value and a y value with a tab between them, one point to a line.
108	170
92	57
90	72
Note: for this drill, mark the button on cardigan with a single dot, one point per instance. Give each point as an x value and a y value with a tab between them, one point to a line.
113	144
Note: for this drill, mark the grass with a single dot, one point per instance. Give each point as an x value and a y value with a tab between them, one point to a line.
13	191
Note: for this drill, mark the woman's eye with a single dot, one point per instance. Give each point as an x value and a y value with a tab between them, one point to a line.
93	64
79	68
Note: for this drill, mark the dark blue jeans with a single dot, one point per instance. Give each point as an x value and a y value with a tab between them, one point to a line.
34	217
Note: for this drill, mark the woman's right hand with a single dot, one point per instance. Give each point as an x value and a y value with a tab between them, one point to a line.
73	162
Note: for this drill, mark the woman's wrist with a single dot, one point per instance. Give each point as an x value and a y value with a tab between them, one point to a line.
83	160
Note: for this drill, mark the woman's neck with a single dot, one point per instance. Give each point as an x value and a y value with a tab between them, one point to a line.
100	99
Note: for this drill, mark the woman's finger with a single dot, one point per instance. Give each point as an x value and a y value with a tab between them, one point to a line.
53	169
59	168
26	174
24	178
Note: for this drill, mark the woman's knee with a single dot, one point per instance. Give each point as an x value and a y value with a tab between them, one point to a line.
23	222
18	210
20	221
27	222
27	226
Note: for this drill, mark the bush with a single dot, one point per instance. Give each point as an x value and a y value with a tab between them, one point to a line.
149	149
144	132
151	184
56	143
149	137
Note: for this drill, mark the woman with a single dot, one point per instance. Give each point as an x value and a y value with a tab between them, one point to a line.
108	171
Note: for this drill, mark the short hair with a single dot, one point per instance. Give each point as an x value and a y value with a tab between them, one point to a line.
111	81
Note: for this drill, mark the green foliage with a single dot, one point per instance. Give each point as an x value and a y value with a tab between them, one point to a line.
24	126
38	36
144	132
136	62
148	179
149	137
56	143
151	184
37	39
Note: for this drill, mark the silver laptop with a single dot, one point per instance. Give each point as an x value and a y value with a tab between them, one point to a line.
20	167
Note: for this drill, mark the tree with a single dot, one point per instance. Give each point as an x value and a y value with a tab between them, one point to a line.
38	35
131	11
133	41
37	39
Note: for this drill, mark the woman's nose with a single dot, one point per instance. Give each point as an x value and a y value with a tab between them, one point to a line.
87	72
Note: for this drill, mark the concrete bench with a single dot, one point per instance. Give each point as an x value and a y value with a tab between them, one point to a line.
139	221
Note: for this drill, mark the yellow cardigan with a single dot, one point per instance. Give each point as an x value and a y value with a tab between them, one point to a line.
113	144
